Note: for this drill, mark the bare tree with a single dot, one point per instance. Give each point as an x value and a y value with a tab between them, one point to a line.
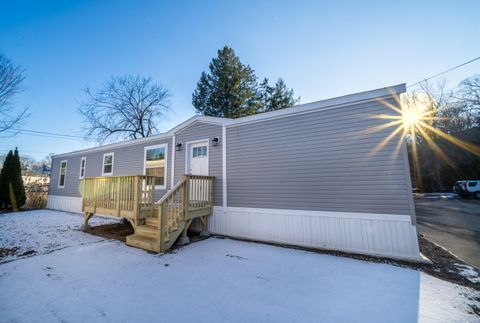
11	78
469	94
126	107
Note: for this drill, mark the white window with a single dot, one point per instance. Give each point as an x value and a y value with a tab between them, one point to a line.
155	157
83	163
107	168
62	174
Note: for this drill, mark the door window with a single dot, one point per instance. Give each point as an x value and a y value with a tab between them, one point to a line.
199	151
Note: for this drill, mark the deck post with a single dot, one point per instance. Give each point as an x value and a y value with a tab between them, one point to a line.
94	196
83	193
186	205
152	196
136	201
186	197
117	194
205	233
161	226
184	239
87	217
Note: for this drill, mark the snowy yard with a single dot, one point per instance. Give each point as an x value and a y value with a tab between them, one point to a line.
75	277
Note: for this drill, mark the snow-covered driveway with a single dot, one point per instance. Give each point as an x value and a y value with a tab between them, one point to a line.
215	280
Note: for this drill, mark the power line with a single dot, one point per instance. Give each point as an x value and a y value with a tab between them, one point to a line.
450	69
44	134
48	133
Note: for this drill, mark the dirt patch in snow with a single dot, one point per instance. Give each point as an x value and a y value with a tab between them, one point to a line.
117	231
5	252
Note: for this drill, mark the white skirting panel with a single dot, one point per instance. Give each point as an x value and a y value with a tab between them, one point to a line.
64	203
385	235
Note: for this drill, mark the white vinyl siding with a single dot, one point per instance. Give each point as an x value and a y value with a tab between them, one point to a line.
107	167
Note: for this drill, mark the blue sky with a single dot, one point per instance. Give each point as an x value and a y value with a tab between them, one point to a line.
321	49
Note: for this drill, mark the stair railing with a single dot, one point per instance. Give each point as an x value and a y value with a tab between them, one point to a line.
192	193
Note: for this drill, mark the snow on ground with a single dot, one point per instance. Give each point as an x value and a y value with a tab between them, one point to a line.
215	280
29	231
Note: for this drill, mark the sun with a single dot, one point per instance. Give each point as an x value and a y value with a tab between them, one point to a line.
411	118
415	117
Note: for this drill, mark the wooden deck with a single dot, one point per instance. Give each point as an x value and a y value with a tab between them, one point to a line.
157	225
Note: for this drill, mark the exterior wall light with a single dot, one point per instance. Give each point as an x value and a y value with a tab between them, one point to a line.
215	141
178	146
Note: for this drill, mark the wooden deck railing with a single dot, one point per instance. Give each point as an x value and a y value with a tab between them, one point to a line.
174	211
132	197
122	196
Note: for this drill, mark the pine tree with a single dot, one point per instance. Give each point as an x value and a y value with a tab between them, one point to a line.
4	190
229	90
11	175
17	180
276	97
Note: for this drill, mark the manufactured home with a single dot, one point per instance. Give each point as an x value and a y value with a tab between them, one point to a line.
331	174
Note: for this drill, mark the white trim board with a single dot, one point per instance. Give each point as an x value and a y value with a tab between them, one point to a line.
172	175
224	167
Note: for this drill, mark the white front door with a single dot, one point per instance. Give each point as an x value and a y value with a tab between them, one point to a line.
198	158
197	164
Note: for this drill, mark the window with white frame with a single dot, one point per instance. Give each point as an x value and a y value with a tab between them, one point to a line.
155	157
83	163
107	168
62	174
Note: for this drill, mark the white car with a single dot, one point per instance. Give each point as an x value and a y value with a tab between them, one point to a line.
467	188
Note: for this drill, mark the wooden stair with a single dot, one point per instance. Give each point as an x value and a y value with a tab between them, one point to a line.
157	225
191	198
147	236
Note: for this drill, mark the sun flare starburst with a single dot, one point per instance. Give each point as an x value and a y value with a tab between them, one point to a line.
415	118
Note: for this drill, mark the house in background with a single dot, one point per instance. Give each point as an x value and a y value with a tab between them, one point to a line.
329	174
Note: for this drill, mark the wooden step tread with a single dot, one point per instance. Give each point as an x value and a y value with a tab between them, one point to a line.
143	242
152	221
147	231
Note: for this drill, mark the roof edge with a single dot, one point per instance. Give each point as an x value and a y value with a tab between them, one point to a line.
326	103
301	108
163	135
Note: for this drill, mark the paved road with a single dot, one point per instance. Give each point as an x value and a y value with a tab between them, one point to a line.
452	222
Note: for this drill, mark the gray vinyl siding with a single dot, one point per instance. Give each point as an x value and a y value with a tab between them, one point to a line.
128	160
199	131
321	160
